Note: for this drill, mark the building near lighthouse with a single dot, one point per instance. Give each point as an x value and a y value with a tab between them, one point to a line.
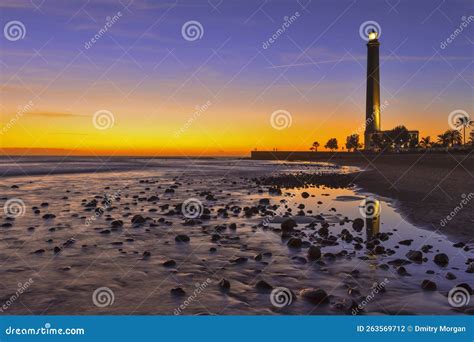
373	131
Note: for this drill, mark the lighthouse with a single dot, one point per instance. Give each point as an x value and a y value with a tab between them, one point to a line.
372	109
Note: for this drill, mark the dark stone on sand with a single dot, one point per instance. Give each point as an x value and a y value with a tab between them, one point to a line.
138	219
146	255
450	276
315	296
264	201
304	194
262	285
232	226
405	242
49	216
399	262
116	223
402	271
379	250
426	248
44	204
358	224
466	286
224	284
314	253
182	238
299	260
258	257
169	191
288	225
239	260
428	285
441	259
169	263
153	198
177	291
470	268
215	237
415	256
7	225
105	231
294	242
459	245
213	249
56	250
39	251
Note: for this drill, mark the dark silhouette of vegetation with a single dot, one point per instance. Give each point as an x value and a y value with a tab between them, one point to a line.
315	146
352	142
332	144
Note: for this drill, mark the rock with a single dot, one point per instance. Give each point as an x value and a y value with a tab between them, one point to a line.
415	256
315	295
169	263
262	285
304	194
314	253
177	291
39	251
288	225
182	238
116	223
358	224
470	268
138	219
233	226
459	245
428	285
450	276
403	271
213	249
146	255
295	243
224	284
405	242
441	259
49	216
56	250
239	260
258	257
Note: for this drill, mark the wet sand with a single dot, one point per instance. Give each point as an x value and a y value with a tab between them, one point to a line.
428	186
145	255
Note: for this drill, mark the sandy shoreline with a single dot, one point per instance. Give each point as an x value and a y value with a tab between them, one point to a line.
427	187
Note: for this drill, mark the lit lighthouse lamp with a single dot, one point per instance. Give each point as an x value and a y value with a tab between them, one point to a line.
373	35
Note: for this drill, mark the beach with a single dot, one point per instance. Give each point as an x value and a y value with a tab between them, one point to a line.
217	236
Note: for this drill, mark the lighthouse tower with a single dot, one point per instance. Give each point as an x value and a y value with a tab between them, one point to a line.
372	110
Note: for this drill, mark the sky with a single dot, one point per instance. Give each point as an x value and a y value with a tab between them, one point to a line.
147	86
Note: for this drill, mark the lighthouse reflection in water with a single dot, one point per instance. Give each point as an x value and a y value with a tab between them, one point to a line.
372	217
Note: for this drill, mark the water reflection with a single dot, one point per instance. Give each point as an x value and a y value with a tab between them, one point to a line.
372	217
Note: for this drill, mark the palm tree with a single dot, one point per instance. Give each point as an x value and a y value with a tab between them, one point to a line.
315	146
463	122
425	142
450	138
